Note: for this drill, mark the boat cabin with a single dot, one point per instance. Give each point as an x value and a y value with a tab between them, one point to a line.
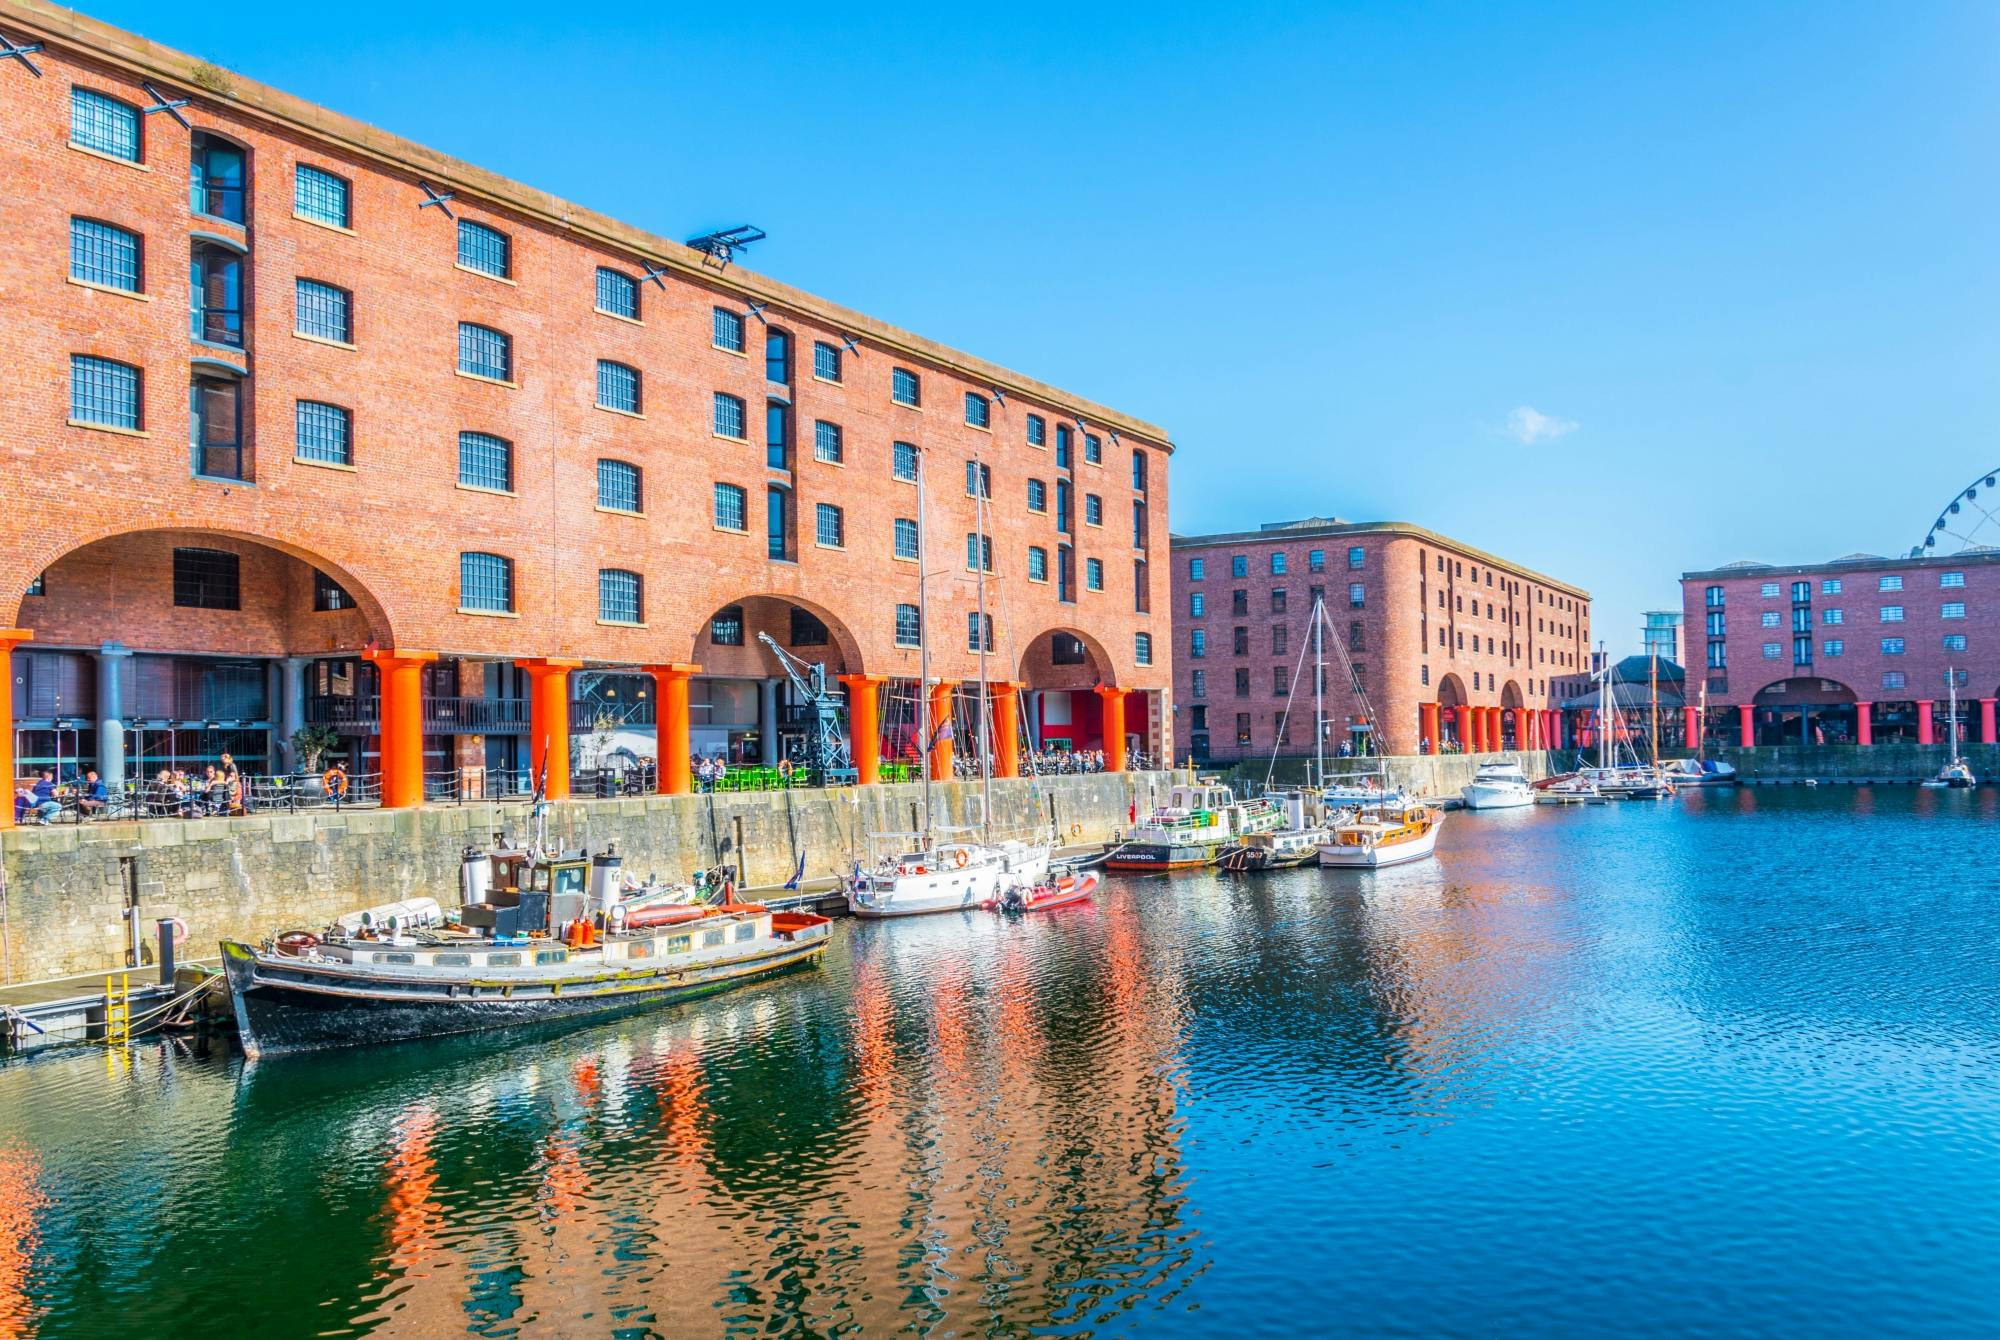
530	897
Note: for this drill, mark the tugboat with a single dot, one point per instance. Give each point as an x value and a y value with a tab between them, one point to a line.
1195	824
551	939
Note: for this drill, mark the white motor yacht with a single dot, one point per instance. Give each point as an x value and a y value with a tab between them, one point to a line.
1498	786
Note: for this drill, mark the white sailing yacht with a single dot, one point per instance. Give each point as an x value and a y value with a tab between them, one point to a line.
939	869
1615	780
1956	773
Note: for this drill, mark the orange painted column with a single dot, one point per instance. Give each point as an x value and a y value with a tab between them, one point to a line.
1691	726
1428	729
9	639
548	724
941	713
1006	700
1747	725
1526	728
1864	723
1478	744
1465	728
1114	727
1926	732
864	728
671	739
402	675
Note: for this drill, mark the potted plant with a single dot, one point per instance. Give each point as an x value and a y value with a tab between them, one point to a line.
309	745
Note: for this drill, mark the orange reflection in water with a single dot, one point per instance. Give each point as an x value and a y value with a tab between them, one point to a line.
22	1201
874	1047
411	1176
684	1114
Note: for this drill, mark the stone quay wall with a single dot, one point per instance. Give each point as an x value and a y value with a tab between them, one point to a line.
68	888
1436	776
1856	763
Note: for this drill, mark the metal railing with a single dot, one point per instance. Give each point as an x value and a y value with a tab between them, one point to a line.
194	798
442	715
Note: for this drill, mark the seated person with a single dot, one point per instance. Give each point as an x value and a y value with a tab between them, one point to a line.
45	805
92	796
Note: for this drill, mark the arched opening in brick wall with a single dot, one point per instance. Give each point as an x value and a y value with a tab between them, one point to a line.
1811	710
1512	721
743	706
170	648
1061	710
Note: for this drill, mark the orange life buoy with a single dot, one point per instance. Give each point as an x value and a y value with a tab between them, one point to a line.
334	779
1076	830
961	858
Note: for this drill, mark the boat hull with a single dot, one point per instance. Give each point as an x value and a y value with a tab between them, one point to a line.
1477	797
285	1007
1140	857
1360	857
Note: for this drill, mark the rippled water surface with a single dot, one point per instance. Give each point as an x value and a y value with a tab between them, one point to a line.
1730	1064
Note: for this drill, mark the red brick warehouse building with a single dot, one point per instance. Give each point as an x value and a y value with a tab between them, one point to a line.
310	423
1856	651
1445	645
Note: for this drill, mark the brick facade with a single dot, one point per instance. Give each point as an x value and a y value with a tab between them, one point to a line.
1817	650
1435	622
90	505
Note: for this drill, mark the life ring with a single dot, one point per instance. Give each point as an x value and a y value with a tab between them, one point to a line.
960	858
334	779
785	769
1076	830
295	943
180	930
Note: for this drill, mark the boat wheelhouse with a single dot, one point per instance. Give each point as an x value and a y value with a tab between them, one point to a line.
1197	821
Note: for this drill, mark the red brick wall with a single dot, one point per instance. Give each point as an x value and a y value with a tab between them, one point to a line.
1862	664
391	529
1400	624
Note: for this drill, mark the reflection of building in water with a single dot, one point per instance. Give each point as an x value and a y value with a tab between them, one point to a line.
22	1202
988	1136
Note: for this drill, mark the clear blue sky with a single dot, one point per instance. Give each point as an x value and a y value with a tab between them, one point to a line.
1730	267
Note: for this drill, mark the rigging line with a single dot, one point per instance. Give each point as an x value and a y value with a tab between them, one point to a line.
1285	717
1355	686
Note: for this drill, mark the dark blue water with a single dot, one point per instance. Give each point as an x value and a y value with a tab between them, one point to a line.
1724	1065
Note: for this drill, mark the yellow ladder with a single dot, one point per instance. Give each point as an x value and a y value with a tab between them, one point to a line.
118	1010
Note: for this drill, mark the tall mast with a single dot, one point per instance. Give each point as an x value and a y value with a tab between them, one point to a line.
1951	688
985	769
1319	675
923	654
1605	754
1653	710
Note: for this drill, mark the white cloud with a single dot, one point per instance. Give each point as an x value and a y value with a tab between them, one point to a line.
1528	425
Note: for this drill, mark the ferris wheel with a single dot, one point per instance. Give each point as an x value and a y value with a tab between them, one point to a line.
1968	521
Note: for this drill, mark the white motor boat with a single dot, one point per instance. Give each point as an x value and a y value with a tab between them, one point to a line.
1498	786
908	877
1383	837
1368	794
1698	772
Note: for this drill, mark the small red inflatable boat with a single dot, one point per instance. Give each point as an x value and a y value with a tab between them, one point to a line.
1058	892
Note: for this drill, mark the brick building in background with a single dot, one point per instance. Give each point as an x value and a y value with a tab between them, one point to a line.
309	423
1447	644
1849	652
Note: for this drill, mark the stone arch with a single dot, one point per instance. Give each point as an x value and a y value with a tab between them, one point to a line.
1451	691
1510	696
54	556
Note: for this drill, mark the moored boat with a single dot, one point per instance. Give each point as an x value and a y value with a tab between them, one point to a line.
1497	786
1383	837
1192	828
537	951
1059	890
910	876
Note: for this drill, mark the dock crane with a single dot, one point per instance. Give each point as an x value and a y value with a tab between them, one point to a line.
826	745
